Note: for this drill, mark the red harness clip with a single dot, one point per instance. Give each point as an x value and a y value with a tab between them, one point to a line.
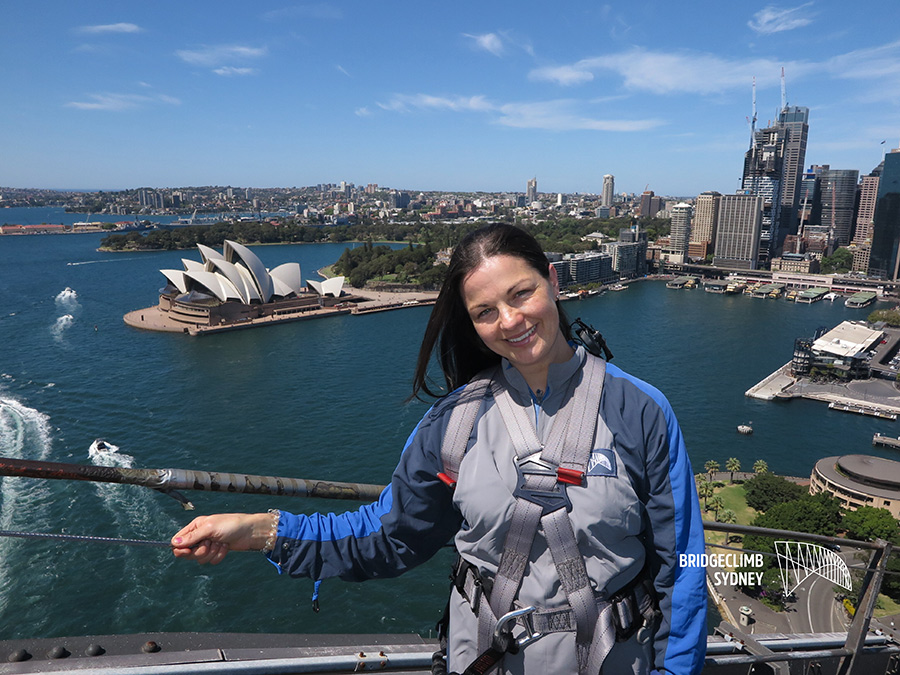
570	476
446	480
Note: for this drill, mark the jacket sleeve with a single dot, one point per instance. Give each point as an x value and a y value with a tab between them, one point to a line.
664	481
413	518
675	528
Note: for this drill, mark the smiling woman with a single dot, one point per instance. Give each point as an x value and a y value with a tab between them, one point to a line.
563	482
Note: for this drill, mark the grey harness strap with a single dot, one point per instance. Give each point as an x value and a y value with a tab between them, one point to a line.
539	502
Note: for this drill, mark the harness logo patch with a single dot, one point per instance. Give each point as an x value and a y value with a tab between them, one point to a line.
602	462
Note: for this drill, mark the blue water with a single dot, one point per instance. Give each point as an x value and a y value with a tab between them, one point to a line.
318	399
57	215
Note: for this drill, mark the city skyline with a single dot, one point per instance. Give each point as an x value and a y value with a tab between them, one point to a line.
480	98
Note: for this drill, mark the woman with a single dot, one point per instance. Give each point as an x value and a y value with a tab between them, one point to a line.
569	494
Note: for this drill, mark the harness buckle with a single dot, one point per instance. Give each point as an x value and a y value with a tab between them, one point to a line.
502	632
550	499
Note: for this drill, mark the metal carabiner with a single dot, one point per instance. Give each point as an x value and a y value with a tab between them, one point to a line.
525	615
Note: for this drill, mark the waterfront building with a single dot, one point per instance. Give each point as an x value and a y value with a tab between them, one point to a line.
607	197
531	191
703	224
679	234
230	288
803	263
762	176
884	259
865	220
859	480
580	269
837	191
738	227
795	121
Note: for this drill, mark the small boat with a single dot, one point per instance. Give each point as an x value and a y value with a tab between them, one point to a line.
745	429
101	447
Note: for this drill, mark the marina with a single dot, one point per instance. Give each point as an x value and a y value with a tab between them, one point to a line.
811	295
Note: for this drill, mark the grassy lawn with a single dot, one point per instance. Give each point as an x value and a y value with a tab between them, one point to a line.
734	498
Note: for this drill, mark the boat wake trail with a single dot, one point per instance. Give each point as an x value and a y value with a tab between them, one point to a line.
142	514
66	301
97	262
24	434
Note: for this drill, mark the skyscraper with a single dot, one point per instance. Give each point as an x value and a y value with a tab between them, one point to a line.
531	191
837	193
706	210
680	232
795	121
737	231
885	254
865	220
609	190
763	173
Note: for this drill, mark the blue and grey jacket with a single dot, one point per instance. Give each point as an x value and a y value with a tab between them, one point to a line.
637	510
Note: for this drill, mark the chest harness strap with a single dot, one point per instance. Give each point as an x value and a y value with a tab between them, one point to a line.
541	500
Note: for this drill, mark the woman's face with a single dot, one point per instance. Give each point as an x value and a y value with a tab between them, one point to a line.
513	309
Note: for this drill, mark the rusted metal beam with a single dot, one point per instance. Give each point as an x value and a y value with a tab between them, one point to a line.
167	480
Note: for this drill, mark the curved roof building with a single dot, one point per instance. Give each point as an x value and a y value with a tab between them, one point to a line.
237	274
859	480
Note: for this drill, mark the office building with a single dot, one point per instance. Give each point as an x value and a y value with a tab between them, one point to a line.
650	204
738	231
883	261
795	121
865	220
609	190
706	211
837	195
762	176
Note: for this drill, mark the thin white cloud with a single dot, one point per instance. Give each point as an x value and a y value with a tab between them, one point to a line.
362	112
556	115
406	102
120	102
218	55
320	10
772	19
229	71
341	69
489	42
111	28
563	115
563	75
671	73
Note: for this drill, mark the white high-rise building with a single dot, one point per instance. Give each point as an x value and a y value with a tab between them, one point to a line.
531	191
609	190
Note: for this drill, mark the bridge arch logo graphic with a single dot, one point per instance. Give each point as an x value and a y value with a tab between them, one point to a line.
798	560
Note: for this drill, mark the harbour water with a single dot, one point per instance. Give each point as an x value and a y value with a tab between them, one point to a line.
318	399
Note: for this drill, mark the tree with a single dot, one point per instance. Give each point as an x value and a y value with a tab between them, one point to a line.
704	488
760	466
869	523
711	467
716	504
733	464
766	489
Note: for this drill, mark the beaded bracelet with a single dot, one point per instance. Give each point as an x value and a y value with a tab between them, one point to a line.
273	532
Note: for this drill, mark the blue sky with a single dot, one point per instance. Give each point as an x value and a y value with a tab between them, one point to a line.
434	96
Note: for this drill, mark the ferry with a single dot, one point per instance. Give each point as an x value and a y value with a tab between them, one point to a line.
714	286
735	287
811	295
860	299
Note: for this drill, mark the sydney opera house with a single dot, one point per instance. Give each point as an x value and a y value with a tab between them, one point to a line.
234	289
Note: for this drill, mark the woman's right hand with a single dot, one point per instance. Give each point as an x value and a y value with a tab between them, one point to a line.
208	539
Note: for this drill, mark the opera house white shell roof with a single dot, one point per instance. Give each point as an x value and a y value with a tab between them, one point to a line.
238	274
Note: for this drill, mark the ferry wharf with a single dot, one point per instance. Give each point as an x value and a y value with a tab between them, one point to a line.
876	397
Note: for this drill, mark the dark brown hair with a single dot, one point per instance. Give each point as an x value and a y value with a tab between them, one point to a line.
461	353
